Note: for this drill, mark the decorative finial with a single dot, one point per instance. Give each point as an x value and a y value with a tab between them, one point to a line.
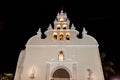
39	32
33	71
32	75
58	14
90	74
84	32
55	20
72	27
62	9
61	12
50	27
65	14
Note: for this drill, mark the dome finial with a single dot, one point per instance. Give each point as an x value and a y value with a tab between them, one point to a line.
50	27
61	12
39	33
72	27
84	32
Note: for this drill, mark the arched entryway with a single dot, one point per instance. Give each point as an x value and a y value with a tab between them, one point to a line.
61	74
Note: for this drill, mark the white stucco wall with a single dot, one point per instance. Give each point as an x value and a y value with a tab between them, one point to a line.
86	57
41	56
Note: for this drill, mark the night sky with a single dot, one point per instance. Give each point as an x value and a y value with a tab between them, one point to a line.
19	21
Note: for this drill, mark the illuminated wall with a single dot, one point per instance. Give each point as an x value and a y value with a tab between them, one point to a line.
60	50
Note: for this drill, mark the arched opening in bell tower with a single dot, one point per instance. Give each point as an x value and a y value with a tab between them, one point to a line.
54	36
61	36
67	36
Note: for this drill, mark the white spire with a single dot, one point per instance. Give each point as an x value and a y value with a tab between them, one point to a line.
57	16
50	27
61	12
65	15
39	33
72	27
84	32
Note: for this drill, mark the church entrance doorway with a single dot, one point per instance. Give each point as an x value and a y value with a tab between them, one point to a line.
61	74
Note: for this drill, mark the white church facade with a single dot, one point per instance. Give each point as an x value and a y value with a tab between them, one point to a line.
61	55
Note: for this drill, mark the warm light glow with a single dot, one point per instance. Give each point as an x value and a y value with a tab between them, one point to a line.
61	19
58	26
68	36
61	36
54	36
61	56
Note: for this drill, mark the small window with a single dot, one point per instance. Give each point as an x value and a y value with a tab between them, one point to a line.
61	36
58	26
67	36
55	36
61	56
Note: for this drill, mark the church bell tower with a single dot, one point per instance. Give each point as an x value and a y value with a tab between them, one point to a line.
61	55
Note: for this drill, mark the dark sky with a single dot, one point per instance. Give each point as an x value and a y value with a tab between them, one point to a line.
19	21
